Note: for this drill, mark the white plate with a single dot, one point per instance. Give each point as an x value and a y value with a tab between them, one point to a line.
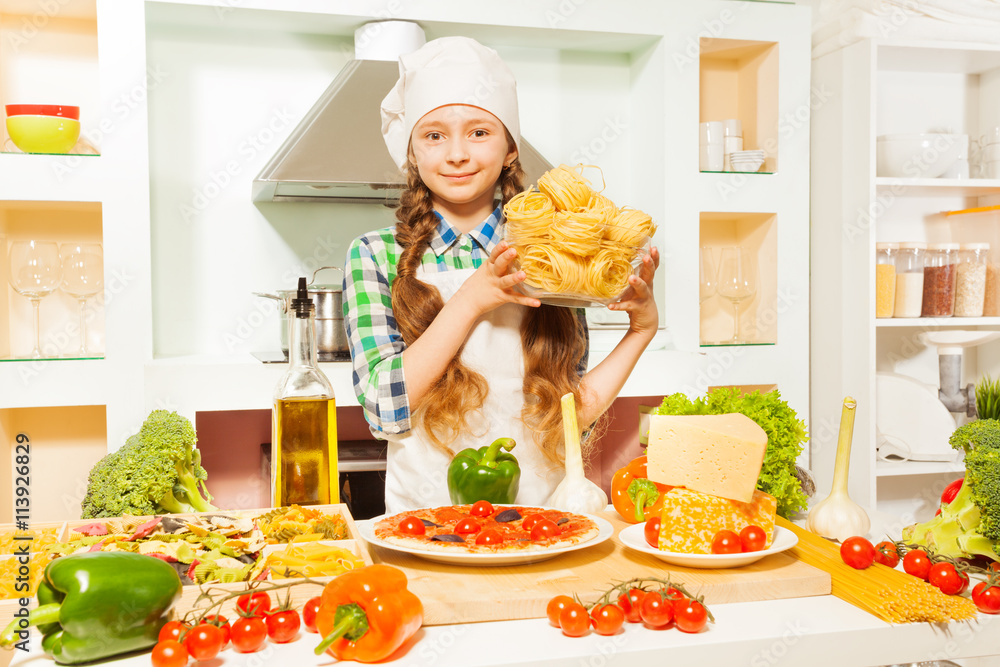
367	531
633	538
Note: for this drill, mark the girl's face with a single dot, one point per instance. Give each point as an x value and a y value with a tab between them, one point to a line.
459	151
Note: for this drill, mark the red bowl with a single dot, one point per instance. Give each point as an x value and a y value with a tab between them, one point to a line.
43	110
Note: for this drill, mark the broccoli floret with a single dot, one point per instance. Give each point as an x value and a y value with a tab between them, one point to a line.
982	433
157	470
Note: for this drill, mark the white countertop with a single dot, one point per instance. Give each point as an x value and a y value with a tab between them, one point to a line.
814	631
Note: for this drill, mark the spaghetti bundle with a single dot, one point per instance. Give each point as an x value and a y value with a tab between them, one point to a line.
574	241
893	596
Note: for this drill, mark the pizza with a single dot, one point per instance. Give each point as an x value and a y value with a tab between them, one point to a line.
483	528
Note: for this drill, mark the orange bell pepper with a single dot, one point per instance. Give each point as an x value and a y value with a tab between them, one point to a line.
635	497
366	614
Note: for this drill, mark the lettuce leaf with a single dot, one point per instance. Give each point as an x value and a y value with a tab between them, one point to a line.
786	436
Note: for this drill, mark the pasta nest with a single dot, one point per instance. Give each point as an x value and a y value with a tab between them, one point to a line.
566	188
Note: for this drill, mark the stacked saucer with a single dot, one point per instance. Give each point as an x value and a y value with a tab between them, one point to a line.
747	160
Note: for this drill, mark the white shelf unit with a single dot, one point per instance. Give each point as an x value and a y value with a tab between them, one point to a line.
200	94
885	87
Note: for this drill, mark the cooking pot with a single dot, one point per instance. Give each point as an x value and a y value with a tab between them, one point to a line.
331	336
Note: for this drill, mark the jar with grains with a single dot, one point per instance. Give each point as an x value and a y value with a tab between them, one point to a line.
940	267
991	300
885	278
909	279
970	279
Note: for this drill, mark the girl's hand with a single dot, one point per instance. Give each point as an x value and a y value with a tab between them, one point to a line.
492	285
637	301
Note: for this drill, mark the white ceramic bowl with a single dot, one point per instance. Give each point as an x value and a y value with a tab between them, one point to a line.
919	155
747	165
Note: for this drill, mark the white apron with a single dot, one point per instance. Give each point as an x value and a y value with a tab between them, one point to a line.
416	472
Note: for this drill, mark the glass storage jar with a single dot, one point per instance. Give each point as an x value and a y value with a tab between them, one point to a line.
940	267
970	279
885	278
909	279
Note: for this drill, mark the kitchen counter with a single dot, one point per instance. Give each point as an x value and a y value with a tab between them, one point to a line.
814	631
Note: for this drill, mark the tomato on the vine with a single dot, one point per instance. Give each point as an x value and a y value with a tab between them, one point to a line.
249	634
857	552
544	530
204	641
411	525
309	611
690	615
753	538
169	653
886	554
172	630
656	611
987	597
467	526
489	537
555	607
652	532
283	626
607	618
949	580
917	563
673	593
726	542
481	508
573	620
631	602
222	623
256	604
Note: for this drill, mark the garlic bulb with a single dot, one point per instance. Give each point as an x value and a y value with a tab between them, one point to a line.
575	493
837	516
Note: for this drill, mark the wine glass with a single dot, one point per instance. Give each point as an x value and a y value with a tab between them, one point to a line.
82	278
34	272
708	275
737	281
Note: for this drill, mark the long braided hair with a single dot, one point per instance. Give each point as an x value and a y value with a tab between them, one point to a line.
552	337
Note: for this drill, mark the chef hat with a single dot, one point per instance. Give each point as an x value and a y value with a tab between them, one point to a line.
449	70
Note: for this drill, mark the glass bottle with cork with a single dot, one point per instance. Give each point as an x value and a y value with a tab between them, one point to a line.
304	419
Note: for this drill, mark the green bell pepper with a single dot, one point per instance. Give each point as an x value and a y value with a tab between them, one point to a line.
484	474
99	604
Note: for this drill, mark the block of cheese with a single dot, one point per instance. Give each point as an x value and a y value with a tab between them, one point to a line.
690	520
716	454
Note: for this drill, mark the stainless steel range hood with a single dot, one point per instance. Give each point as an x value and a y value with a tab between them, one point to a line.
337	153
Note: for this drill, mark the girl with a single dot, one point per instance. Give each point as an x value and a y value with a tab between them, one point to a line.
447	353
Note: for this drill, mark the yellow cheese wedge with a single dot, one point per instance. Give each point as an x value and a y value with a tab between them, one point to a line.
690	520
716	454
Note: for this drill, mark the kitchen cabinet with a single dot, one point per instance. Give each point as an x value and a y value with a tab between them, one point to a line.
873	88
200	94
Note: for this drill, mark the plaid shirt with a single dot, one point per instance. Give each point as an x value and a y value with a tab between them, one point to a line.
376	343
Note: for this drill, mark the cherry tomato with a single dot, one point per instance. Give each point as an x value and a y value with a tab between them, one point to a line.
222	623
986	597
172	630
690	615
204	641
529	521
489	537
467	526
309	611
652	532
656	611
481	508
857	552
411	525
917	563
256	604
726	542
886	554
673	594
555	607
169	653
753	538
994	567
947	578
573	620
631	603
249	634
544	530
607	619
283	626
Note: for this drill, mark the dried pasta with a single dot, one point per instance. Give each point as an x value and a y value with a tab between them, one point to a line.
566	187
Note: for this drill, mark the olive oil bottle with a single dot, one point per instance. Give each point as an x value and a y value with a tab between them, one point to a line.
304	419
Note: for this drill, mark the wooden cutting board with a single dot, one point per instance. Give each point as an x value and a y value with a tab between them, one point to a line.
464	594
